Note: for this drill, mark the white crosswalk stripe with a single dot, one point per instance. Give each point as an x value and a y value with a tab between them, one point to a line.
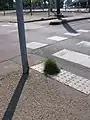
83	31
35	45
9	25
83	44
57	38
74	57
72	34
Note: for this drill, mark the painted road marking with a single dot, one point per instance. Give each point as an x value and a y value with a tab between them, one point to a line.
35	45
72	34
74	57
57	38
83	44
82	31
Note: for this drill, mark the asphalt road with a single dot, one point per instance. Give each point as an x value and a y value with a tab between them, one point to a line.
41	32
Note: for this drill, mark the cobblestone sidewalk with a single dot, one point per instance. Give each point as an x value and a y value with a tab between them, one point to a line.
36	97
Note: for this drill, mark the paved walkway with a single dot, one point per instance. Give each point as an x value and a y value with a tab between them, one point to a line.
27	17
36	97
42	15
70	19
45	10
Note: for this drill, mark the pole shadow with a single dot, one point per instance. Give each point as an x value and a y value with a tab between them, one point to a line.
69	28
15	98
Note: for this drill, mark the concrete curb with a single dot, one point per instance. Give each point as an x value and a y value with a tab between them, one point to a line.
35	11
53	22
78	19
36	20
66	21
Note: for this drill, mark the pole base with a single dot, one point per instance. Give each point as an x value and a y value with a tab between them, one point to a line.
26	70
59	16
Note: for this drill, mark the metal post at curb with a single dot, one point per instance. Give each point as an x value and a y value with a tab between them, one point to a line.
58	8
4	7
89	5
22	40
30	5
86	4
48	8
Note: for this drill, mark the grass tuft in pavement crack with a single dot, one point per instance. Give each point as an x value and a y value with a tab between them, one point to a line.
50	67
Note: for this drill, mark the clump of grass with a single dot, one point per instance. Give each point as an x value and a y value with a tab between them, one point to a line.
50	67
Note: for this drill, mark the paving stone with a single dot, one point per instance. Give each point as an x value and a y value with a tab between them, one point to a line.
79	83
8	66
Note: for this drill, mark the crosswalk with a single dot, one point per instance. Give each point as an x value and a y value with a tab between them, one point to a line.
72	34
83	44
57	38
72	56
68	53
75	49
34	45
68	78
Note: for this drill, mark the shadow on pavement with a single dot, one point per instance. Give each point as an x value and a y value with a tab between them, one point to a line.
69	28
15	98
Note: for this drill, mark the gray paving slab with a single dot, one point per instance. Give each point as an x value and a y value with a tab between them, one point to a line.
44	98
9	46
32	59
8	66
7	87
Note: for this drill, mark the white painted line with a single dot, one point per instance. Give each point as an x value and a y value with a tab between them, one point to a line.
72	34
82	31
13	24
32	26
79	83
11	31
9	25
57	38
83	44
74	57
6	25
35	45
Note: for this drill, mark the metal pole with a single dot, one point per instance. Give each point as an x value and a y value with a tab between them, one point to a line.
4	7
48	8
21	31
30	4
76	4
89	5
58	7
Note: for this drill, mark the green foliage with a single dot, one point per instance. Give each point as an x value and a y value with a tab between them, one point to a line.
50	67
6	4
28	1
